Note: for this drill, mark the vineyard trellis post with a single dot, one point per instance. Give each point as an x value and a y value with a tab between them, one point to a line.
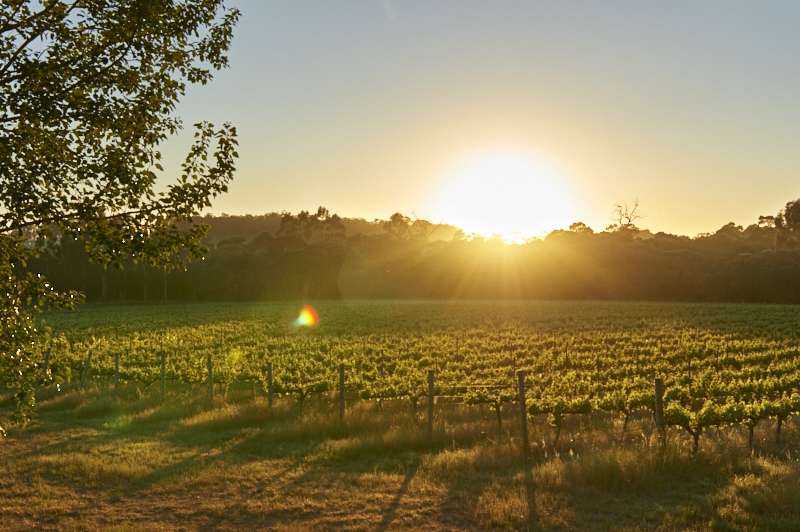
269	384
210	380
46	361
86	369
116	372
523	412
430	403
163	373
659	385
341	391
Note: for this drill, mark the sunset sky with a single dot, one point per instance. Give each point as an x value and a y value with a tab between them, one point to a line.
511	116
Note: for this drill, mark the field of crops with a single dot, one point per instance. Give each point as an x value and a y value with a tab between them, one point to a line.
721	364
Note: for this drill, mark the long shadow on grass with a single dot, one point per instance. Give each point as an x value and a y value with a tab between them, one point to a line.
251	434
231	455
530	494
472	480
147	419
391	512
248	435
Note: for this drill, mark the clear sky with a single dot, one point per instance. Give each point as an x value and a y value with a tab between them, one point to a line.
532	114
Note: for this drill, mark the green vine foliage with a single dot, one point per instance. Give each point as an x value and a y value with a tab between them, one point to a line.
494	398
87	94
716	371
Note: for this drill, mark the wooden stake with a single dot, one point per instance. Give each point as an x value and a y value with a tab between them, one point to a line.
523	413
660	412
210	380
116	372
430	403
341	391
163	373
269	384
86	369
46	361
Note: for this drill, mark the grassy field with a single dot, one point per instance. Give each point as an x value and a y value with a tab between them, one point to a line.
136	461
139	462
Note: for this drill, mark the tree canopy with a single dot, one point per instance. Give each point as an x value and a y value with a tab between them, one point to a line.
87	94
258	258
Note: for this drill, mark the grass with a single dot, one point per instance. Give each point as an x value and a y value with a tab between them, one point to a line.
96	461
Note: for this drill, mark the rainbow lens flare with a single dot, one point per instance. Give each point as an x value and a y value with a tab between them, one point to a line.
308	317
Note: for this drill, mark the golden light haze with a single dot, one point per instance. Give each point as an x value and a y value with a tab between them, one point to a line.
503	192
366	109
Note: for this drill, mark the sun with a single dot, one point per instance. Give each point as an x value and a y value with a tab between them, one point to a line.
507	193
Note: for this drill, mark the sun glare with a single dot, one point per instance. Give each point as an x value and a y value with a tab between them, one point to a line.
510	194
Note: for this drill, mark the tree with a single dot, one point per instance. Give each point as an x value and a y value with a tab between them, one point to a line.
766	221
324	225
261	242
87	94
398	226
624	216
401	227
787	223
581	228
423	229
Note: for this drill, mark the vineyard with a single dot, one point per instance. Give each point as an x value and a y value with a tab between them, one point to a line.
721	365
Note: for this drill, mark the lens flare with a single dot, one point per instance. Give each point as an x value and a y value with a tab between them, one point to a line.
308	317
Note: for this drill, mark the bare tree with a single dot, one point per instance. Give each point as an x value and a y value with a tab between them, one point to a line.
625	215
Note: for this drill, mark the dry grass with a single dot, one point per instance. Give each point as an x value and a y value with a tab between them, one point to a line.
136	462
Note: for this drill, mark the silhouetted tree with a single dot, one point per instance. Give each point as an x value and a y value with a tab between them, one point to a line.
787	222
581	228
766	221
730	264
262	242
311	227
398	226
88	90
624	216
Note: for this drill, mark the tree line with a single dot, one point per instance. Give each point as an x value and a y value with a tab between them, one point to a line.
323	256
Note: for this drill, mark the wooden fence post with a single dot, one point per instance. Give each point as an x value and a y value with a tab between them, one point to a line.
163	373
341	391
46	361
116	372
660	412
430	403
269	384
86	369
523	413
210	380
